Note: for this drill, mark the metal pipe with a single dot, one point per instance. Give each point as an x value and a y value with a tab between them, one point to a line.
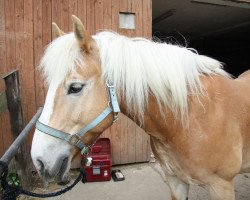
12	150
164	16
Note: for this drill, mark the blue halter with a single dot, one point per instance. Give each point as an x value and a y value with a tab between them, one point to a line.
75	139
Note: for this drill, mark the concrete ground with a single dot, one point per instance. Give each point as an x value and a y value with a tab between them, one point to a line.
141	183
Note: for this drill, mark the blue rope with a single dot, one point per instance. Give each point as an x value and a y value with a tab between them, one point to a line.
12	192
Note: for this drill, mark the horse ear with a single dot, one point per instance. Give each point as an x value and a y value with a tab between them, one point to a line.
57	32
81	34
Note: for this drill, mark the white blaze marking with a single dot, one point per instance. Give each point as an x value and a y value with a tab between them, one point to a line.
44	147
49	103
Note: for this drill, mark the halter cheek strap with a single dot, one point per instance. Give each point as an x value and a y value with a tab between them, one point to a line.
75	139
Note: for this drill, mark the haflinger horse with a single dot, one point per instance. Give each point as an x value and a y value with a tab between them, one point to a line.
197	116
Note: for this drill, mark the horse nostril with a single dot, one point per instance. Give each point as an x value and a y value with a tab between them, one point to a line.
61	178
65	160
40	164
64	164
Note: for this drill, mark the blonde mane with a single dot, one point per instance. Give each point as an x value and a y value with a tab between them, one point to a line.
138	67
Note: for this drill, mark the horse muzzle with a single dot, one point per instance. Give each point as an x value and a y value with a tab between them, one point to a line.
58	172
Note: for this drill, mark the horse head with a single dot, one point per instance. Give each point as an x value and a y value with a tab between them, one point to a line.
77	95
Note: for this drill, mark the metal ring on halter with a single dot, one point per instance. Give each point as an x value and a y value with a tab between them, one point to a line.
115	115
109	104
109	85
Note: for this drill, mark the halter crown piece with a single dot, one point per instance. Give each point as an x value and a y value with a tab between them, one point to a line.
75	139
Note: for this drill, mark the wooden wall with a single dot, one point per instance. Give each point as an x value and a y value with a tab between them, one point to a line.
25	30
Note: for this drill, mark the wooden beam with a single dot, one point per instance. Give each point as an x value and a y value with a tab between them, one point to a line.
3	102
17	124
163	16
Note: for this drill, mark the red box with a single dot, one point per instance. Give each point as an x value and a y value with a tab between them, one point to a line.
100	167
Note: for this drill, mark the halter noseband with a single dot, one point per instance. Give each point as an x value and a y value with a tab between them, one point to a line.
75	139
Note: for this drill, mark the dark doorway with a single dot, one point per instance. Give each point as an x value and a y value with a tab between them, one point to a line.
219	29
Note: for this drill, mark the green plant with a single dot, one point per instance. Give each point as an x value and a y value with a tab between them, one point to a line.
13	179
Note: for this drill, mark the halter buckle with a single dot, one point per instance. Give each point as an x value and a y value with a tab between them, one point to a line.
85	151
115	118
74	139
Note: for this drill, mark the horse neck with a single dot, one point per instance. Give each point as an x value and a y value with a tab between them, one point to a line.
158	122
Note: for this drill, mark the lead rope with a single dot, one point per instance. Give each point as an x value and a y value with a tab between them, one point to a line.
12	192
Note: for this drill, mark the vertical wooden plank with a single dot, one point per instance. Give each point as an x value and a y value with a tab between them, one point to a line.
147	33
28	70
145	146
123	6
64	15
47	34
139	145
73	6
107	25
116	128
131	136
116	141
148	148
124	139
147	18
126	150
82	11
2	66
19	30
2	43
133	5
138	32
90	17
20	55
38	49
7	137
56	16
98	15
46	23
107	19
138	18
10	34
10	60
19	33
114	15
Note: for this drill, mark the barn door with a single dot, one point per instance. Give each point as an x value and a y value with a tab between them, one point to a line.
130	144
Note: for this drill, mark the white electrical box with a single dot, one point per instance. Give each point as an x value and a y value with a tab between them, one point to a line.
127	20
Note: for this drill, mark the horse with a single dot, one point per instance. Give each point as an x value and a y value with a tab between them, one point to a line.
196	114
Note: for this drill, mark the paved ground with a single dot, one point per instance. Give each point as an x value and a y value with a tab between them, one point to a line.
142	183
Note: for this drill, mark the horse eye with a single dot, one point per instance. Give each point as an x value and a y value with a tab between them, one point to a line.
75	88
